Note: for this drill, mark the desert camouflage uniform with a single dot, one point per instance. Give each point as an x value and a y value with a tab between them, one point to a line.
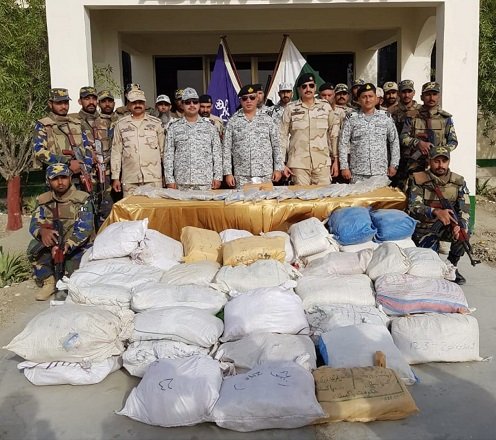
306	137
422	200
372	143
218	124
193	154
76	215
137	148
251	148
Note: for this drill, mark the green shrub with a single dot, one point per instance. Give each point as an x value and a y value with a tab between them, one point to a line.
14	268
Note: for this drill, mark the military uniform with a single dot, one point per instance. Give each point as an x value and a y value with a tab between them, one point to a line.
251	148
218	124
306	139
372	143
193	154
137	148
276	113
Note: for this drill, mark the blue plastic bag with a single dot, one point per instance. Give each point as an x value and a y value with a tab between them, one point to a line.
392	224
351	225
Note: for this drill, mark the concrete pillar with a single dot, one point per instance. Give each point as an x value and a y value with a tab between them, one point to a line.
143	70
457	54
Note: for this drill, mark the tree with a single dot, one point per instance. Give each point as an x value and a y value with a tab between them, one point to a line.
487	57
24	84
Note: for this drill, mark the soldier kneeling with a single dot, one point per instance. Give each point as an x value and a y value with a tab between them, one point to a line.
62	226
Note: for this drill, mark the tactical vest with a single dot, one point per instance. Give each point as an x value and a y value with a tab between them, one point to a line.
431	127
57	129
449	189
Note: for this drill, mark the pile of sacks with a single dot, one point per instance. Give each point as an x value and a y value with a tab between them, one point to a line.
234	327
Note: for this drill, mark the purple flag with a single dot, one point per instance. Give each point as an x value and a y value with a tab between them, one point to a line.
222	87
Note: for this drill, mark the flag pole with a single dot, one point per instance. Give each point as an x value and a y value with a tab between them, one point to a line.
223	39
279	57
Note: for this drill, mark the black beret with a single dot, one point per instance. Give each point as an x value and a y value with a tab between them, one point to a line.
246	90
205	99
304	78
326	86
257	87
366	88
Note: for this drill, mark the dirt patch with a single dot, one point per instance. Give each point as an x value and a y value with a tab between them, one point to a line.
484	238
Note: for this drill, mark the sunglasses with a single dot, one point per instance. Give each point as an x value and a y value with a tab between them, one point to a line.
191	101
308	86
248	97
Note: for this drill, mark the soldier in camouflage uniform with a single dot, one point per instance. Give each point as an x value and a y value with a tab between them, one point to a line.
205	112
251	145
285	95
424	205
342	97
357	83
163	111
137	148
88	100
370	138
193	152
390	93
178	104
75	211
431	127
58	134
123	110
306	137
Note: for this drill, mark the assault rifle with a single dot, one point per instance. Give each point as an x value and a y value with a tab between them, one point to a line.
100	164
85	176
462	235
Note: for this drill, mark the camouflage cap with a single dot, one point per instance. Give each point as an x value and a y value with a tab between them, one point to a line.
304	78
163	98
189	93
283	87
58	95
136	95
130	87
406	84
104	94
57	169
440	150
178	94
358	82
390	85
87	91
340	88
431	87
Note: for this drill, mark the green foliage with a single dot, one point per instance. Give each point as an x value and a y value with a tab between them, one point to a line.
483	188
14	268
487	57
29	205
102	76
24	80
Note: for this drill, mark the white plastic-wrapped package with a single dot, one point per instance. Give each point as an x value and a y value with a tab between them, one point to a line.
140	354
265	310
403	244
184	324
158	250
356	345
158	295
259	348
359	247
340	263
437	337
69	373
288	248
119	239
310	237
87	259
319	290
325	318
273	395
426	263
200	273
97	294
175	392
388	258
262	273
233	234
73	333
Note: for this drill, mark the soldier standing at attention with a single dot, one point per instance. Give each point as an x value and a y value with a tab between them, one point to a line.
370	138
251	144
74	210
306	137
88	100
342	97
205	112
424	205
137	148
357	83
59	132
285	95
178	104
163	110
390	93
193	153
123	110
326	92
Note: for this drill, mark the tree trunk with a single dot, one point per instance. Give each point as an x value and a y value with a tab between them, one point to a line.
14	219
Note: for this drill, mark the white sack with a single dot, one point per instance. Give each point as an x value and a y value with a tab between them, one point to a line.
158	250
233	234
310	237
359	247
87	259
436	337
175	392
119	239
403	244
335	289
288	247
388	258
184	324
273	395
139	355
266	310
340	263
355	346
259	348
69	373
262	273
158	295
325	318
200	273
426	263
73	333
97	294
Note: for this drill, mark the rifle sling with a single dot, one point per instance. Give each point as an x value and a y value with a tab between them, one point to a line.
69	135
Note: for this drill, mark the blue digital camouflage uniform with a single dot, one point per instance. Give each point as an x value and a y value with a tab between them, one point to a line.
75	212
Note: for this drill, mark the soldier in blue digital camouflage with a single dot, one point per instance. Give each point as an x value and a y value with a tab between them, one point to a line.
74	210
424	205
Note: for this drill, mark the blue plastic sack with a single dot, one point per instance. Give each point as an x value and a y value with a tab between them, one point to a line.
392	224
351	225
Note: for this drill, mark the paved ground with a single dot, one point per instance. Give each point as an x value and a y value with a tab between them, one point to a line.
457	401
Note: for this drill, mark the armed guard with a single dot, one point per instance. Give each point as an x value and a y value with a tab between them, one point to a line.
62	223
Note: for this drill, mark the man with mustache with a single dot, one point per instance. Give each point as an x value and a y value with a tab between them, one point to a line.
285	96
342	97
137	148
88	100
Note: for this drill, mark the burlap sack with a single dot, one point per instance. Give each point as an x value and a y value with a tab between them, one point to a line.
200	245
